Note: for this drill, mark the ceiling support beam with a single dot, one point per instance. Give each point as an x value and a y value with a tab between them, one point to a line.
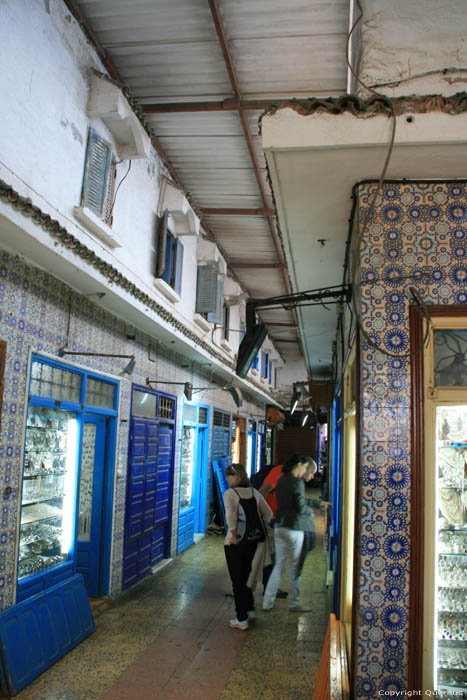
218	211
229	105
229	64
256	266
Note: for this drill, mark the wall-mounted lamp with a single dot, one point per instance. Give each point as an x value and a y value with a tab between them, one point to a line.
295	399
236	394
128	369
187	386
188	389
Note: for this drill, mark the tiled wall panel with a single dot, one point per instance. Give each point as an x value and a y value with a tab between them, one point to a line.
416	236
40	312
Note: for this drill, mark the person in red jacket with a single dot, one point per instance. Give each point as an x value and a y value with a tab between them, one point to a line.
268	491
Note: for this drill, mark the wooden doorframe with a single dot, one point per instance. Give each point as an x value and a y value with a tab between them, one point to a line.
417	315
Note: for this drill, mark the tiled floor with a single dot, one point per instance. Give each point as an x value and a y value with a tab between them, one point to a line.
168	638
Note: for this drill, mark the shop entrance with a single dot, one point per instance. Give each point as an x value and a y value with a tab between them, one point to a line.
92	503
150	483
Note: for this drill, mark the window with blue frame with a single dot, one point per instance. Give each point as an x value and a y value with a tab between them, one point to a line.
264	365
172	274
255	363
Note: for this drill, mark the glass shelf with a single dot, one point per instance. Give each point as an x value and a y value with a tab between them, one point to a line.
42	473
43	499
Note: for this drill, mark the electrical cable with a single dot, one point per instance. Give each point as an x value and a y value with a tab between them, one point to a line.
362	230
436	71
118	187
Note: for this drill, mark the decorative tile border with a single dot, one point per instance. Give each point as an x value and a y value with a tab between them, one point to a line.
416	236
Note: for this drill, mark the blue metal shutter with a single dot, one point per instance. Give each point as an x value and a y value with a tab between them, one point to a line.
42	629
97	176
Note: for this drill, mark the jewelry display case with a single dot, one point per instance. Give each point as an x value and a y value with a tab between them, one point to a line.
48	491
188	465
451	551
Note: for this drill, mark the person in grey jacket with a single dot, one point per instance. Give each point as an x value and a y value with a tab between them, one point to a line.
293	517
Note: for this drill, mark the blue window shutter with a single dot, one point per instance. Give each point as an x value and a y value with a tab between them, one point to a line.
255	362
161	244
264	365
206	288
169	251
97	175
178	267
270	372
216	317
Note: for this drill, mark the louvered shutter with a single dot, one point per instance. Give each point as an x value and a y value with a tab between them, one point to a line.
98	181
216	316
206	288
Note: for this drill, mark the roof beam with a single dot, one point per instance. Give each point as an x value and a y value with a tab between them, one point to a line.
229	105
219	211
259	266
229	64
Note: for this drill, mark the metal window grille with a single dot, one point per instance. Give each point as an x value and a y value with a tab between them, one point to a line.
203	415
166	408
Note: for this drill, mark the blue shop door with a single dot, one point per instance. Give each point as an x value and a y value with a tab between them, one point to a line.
91	502
201	480
163	511
141	500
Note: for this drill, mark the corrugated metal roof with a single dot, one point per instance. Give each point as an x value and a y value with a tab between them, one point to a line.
168	51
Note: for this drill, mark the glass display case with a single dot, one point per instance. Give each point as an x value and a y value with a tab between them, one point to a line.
48	490
188	465
450	657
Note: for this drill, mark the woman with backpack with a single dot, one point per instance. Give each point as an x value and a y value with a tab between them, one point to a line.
246	514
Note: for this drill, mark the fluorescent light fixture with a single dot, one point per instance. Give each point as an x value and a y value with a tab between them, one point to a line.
295	399
305	419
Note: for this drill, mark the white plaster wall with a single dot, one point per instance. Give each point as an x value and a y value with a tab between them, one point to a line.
293	371
44	83
400	39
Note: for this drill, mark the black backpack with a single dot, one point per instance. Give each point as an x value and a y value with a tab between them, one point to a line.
250	525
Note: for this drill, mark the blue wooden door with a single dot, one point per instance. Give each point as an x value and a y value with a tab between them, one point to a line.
201	480
149	498
91	503
163	510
